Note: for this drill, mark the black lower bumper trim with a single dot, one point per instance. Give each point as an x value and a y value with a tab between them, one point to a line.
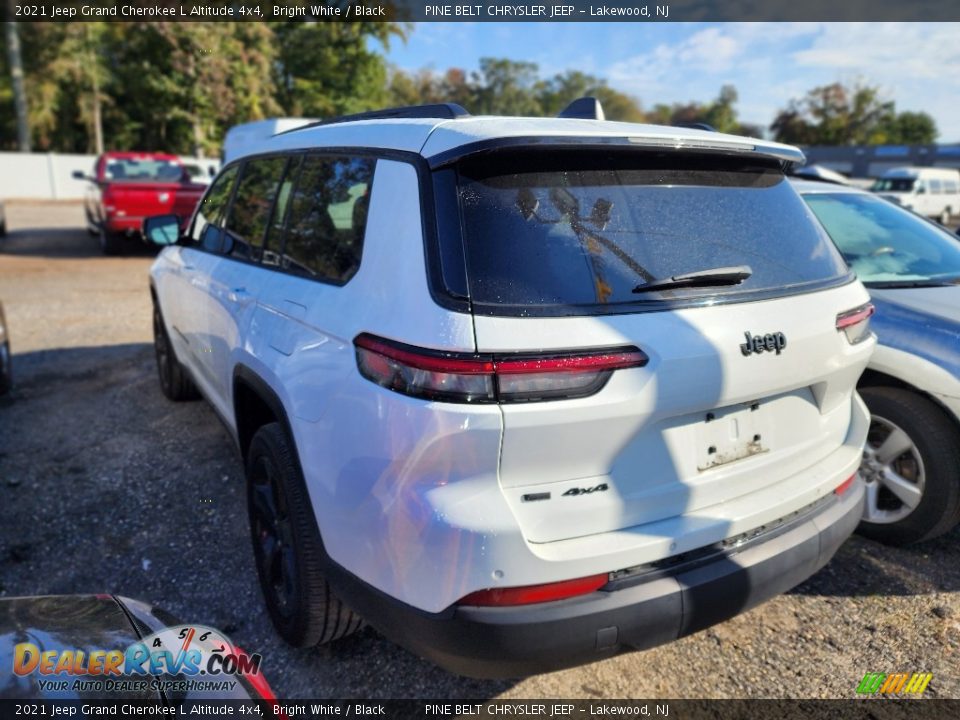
491	642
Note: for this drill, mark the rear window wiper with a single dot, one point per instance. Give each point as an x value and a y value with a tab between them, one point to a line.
700	278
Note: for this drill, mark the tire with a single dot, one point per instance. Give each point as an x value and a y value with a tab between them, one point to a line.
110	242
174	382
286	546
928	443
92	228
6	369
944	217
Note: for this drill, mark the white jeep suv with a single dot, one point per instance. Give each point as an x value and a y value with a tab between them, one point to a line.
521	393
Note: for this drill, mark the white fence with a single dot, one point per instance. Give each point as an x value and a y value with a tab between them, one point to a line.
49	176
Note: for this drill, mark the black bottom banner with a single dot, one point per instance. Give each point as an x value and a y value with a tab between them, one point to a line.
860	709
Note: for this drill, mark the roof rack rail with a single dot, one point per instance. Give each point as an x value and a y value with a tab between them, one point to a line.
585	108
440	111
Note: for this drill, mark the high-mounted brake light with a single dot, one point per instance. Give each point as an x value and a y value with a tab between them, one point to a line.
855	323
489	378
529	594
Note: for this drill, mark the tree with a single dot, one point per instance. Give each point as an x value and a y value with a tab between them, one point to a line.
559	91
859	115
720	114
326	69
911	128
505	87
16	80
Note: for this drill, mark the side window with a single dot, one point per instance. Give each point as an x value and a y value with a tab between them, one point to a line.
252	205
935	186
271	246
328	217
208	221
950	187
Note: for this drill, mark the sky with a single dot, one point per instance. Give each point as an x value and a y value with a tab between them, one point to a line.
917	65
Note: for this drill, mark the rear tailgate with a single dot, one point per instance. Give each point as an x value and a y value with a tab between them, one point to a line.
574	251
139	200
701	424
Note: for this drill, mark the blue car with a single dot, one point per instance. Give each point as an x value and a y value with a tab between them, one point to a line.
911	267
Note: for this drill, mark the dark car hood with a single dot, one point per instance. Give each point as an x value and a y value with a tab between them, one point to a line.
921	321
61	622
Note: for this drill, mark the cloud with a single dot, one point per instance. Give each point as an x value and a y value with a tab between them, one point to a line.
915	64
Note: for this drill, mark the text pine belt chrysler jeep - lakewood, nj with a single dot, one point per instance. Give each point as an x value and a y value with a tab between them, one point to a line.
521	393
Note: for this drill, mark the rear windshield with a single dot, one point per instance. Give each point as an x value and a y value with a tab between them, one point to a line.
584	230
142	170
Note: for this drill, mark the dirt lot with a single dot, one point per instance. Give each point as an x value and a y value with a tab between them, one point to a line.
106	487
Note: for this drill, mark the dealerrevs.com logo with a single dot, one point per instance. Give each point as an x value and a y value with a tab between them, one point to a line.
185	658
894	683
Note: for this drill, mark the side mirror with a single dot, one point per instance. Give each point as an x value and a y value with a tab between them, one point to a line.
162	229
78	175
921	190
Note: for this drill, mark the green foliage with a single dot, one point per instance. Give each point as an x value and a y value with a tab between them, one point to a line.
506	87
720	114
840	115
178	87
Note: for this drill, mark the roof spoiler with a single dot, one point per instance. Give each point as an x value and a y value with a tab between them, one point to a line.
439	111
585	108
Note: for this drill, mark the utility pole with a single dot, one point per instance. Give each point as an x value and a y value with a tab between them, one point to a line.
97	116
16	75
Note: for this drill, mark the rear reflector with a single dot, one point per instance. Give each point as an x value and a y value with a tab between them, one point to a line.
529	594
487	378
845	485
856	323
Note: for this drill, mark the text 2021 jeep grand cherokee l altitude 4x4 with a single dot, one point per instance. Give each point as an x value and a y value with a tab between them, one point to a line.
522	393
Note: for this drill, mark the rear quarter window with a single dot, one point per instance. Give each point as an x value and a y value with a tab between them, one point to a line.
578	232
327	217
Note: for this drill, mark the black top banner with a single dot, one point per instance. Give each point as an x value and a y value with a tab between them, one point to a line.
475	11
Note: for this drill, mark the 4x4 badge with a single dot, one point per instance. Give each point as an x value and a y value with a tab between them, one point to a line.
586	491
771	342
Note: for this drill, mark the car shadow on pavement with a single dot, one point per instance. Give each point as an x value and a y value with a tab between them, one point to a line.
863	568
60	242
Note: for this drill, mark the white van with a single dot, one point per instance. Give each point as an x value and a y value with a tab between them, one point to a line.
932	192
240	138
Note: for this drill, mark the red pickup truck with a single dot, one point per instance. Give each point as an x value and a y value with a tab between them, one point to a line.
128	186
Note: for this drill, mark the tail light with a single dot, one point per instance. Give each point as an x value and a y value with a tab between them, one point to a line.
529	594
487	378
855	323
845	485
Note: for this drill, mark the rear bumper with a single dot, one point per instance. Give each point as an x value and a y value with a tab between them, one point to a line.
628	614
127	224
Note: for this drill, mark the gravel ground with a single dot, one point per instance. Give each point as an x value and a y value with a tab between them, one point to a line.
107	487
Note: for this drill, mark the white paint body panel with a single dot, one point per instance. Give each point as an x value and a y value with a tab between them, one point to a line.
422	500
